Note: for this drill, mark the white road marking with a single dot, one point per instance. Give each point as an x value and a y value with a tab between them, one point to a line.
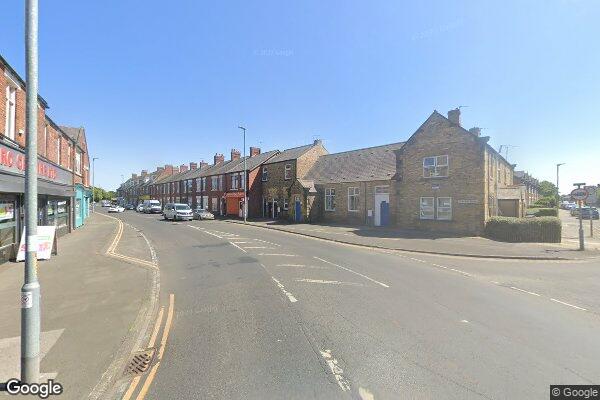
205	231
439	266
336	370
460	272
570	305
275	254
259	247
238	247
525	291
242	242
354	272
290	296
328	282
264	241
495	283
465	321
300	266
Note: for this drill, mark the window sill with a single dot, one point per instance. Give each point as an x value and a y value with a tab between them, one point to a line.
434	177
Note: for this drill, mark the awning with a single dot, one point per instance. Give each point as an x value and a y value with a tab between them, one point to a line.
16	184
234	195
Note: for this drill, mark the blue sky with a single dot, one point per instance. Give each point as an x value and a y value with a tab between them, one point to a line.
156	84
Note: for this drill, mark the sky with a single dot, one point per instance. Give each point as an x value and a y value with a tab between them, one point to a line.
157	82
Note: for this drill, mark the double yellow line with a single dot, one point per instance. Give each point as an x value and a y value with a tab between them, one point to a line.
163	342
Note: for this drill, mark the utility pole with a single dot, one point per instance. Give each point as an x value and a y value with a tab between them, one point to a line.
93	185
245	211
30	292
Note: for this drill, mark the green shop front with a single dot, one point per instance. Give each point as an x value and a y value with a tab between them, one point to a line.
55	197
81	209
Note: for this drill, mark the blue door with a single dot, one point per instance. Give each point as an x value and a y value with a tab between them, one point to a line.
298	213
385	213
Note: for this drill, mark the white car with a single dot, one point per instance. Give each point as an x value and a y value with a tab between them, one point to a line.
117	209
140	207
201	213
177	211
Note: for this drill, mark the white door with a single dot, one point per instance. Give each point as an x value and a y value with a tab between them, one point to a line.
381	195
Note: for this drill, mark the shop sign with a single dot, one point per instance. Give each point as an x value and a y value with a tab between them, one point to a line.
45	243
7	211
13	160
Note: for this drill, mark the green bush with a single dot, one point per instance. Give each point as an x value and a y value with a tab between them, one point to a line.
545	202
537	229
542	212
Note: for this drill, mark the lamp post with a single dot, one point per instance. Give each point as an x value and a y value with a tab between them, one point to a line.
557	189
245	211
30	291
93	185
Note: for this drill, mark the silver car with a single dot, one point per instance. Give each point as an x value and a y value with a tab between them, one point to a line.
201	213
177	211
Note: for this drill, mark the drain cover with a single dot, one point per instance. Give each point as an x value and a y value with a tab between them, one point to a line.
139	362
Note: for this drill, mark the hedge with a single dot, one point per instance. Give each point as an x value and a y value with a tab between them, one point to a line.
538	229
542	212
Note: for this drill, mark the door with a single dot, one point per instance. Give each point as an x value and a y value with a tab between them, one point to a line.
379	199
298	210
385	213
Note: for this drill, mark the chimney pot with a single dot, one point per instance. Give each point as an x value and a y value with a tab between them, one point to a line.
317	142
235	154
219	158
183	168
254	151
193	166
454	116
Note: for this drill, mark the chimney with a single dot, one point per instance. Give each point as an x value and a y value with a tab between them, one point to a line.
133	176
202	164
183	168
160	169
175	170
475	131
193	166
454	116
254	151
169	169
144	173
235	154
317	142
219	158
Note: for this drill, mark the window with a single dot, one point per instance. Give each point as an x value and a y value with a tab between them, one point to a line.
288	171
427	208
286	206
214	183
353	199
45	140
77	162
444	208
234	181
220	182
11	112
330	199
58	150
434	167
265	174
242	180
69	157
203	184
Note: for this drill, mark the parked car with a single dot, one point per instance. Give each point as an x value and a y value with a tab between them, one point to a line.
589	213
152	207
140	207
129	207
177	211
201	213
105	203
116	208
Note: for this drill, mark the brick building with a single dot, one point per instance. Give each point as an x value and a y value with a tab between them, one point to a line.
532	186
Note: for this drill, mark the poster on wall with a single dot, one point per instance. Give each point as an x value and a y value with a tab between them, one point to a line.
7	211
45	242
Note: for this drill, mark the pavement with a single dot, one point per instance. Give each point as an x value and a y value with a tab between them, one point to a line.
259	314
93	307
570	231
433	243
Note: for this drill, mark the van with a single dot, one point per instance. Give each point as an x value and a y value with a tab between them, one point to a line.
152	207
178	211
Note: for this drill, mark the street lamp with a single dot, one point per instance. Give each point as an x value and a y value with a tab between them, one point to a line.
245	211
557	189
93	185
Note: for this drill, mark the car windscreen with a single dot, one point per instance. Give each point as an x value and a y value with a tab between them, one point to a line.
182	207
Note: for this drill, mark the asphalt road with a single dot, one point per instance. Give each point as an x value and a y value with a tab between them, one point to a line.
261	314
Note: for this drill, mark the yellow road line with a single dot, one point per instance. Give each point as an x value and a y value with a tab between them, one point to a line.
156	327
131	389
148	382
165	335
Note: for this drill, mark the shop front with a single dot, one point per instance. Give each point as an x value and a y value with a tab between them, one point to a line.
81	206
55	194
235	203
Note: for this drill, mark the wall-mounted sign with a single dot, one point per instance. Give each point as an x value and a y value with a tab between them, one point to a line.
435	186
13	160
468	201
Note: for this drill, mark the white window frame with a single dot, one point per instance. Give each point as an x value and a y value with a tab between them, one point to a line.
429	209
242	180
77	162
435	166
234	181
46	140
10	122
58	150
330	199
287	173
265	174
286	204
447	209
69	167
214	183
354	192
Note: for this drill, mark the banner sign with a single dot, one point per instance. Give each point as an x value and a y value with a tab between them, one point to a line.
45	242
13	160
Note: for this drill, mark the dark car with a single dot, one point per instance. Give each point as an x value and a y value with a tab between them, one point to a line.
589	213
129	207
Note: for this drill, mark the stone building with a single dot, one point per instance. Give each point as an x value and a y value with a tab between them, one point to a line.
532	186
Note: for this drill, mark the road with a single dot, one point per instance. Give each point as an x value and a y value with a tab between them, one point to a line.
260	314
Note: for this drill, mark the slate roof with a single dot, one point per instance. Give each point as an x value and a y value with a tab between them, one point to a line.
372	163
291	154
254	162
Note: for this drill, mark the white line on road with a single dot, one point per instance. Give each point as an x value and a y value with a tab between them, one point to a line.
337	371
264	241
238	247
570	305
525	291
354	272
328	282
290	296
259	247
300	266
275	254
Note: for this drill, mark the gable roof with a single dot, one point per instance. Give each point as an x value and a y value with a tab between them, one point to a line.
369	164
254	162
291	154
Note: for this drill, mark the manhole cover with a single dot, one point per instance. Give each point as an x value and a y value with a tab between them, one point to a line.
139	362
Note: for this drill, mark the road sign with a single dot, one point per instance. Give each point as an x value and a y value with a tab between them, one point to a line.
579	194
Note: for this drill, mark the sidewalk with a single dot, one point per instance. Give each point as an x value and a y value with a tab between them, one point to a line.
425	242
570	231
90	307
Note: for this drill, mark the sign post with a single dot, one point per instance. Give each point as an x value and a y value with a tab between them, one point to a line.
580	194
